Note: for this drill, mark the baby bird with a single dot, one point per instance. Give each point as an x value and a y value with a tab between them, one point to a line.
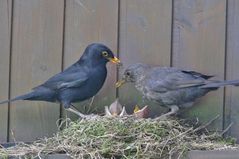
115	109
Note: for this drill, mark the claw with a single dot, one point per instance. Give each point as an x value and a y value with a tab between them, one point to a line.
81	115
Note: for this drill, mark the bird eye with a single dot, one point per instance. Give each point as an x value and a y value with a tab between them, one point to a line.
104	53
128	73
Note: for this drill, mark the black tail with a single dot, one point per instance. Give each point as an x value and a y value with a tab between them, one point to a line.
217	84
22	97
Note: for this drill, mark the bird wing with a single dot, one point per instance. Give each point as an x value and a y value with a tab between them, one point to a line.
189	83
169	85
172	79
198	79
197	74
76	83
68	79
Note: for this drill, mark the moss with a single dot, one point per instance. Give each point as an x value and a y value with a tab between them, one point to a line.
125	137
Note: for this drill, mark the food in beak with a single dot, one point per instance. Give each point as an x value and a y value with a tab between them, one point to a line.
115	60
120	83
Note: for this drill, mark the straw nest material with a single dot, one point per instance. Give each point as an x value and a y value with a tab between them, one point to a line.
123	137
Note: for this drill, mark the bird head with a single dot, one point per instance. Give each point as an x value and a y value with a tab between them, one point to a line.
133	73
99	54
115	109
141	113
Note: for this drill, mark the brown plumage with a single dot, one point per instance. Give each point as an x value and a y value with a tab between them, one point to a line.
171	87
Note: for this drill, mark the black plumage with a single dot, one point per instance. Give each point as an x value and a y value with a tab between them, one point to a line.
78	82
169	86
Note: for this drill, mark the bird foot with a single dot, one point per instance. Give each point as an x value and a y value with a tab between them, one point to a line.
87	117
174	110
81	115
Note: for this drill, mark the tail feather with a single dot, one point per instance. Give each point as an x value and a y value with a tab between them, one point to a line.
22	97
218	84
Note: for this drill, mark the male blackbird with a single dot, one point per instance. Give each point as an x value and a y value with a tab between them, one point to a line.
78	82
169	86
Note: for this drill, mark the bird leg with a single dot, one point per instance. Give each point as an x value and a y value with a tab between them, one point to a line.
173	110
66	117
75	111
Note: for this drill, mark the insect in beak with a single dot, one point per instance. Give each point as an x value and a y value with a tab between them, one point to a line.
120	83
114	60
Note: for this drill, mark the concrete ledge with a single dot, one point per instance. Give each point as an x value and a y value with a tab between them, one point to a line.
214	154
195	154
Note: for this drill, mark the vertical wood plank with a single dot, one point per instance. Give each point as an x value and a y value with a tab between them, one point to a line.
232	94
89	21
145	36
199	44
36	56
5	36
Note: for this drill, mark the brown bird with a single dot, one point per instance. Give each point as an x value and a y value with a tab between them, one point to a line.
171	87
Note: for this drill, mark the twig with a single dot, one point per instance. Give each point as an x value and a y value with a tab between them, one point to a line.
225	130
91	101
13	136
207	124
120	137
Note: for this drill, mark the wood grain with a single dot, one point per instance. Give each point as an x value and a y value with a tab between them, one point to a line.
90	21
36	56
232	93
145	29
199	44
145	36
5	36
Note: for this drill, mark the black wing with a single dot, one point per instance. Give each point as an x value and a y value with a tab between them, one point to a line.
66	79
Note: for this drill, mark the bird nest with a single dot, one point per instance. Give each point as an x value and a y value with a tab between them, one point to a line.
123	137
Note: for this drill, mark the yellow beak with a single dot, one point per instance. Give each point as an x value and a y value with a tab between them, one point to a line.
114	114
120	83
114	60
136	109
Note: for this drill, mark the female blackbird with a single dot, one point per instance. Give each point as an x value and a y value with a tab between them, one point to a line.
78	82
169	86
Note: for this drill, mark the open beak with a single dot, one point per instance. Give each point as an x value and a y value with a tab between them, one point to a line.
114	60
120	83
114	114
136	109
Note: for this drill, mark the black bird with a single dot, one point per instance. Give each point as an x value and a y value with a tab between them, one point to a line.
78	82
169	86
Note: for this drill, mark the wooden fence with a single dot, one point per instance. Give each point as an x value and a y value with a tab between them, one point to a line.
39	38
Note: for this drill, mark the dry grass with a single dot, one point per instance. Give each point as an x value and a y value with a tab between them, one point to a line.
125	137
